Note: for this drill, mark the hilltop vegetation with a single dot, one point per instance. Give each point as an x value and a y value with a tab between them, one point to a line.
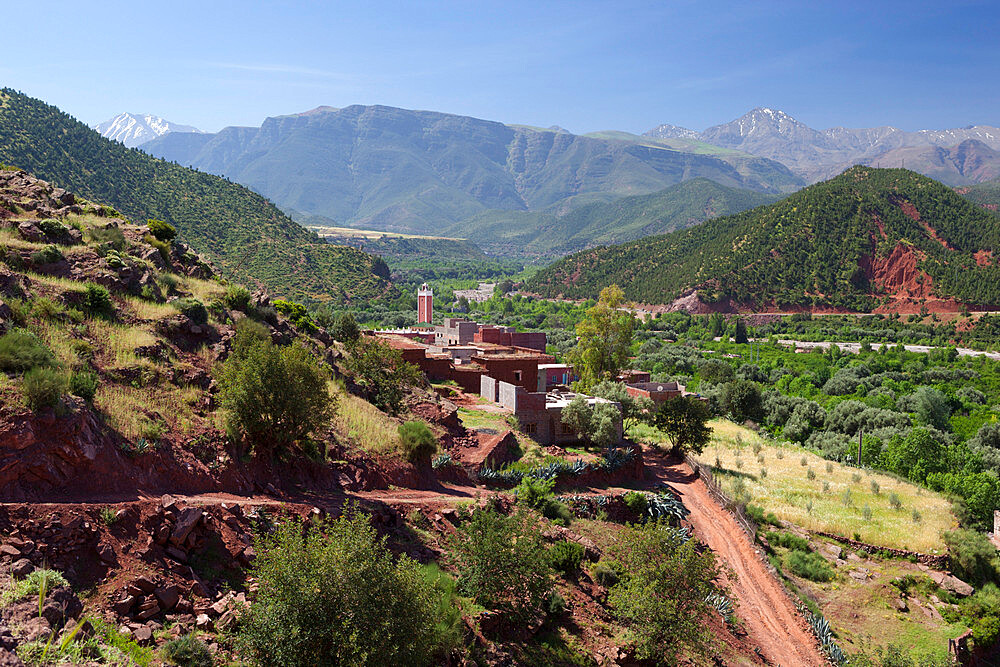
867	238
986	195
246	237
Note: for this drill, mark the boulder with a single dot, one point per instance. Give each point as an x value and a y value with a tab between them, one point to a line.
30	232
188	519
950	583
22	568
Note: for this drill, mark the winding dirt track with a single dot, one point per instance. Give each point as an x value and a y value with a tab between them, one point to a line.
770	618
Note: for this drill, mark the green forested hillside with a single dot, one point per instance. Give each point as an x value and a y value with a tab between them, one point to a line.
418	172
246	237
863	237
986	194
622	220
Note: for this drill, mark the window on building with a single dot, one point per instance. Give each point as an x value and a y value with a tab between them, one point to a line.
567	429
531	429
517	376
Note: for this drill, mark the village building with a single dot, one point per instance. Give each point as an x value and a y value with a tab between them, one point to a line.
501	364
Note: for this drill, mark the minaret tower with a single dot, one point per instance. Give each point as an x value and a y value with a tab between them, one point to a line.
425	304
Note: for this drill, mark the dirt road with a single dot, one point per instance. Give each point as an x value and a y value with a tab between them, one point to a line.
770	618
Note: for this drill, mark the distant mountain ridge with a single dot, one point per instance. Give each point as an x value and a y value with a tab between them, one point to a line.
819	154
136	129
384	168
886	239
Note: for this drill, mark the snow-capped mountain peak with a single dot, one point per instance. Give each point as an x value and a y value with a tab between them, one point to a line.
136	129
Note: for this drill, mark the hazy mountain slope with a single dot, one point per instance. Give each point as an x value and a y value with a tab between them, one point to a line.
971	161
868	237
818	154
134	129
248	238
624	219
418	171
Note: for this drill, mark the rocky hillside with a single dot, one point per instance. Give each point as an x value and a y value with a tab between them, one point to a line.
391	169
243	234
869	238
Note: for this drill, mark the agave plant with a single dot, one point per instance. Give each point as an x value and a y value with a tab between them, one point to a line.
441	460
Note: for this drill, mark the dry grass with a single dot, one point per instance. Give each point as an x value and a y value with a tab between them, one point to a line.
787	491
126	409
203	290
368	427
147	310
118	342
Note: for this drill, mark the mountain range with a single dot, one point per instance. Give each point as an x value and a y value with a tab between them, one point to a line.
136	129
867	239
420	172
246	237
819	154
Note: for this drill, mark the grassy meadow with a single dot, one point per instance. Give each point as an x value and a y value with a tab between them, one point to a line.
820	495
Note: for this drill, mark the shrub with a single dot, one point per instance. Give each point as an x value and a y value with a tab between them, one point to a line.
97	301
110	238
43	387
192	308
236	297
21	350
566	556
162	231
187	651
533	491
985	631
503	561
47	255
637	502
333	594
419	443
788	541
972	556
810	474
661	596
555	605
83	384
54	229
273	396
605	574
810	566
894	501
297	314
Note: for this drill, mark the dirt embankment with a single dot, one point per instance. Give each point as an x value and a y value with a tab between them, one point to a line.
771	619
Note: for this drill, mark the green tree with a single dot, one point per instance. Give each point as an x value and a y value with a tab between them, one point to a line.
345	328
742	400
741	332
684	420
597	423
334	595
504	562
660	596
604	339
381	374
633	408
273	396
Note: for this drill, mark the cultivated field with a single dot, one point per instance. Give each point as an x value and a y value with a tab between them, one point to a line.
821	495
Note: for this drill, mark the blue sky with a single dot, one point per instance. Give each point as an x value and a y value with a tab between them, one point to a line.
582	65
